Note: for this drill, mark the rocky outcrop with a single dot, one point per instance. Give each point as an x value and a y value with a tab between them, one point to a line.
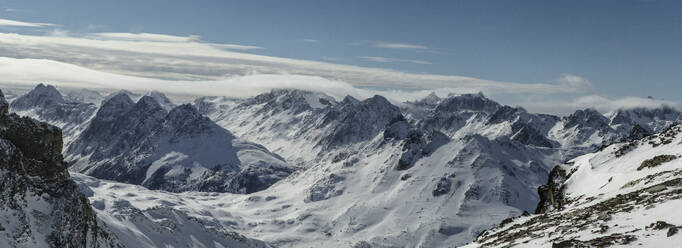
551	195
41	206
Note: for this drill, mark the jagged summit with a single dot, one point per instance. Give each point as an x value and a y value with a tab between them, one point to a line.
474	102
586	117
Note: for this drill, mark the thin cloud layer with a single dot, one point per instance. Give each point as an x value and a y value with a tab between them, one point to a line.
391	60
12	23
400	46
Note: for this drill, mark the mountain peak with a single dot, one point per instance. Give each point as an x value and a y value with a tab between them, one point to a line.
184	111
430	99
118	98
41	95
588	116
162	100
148	102
473	102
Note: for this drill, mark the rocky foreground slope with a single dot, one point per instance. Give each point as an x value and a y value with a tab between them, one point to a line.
40	206
627	194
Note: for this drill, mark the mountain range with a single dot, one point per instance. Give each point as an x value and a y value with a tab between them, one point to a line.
295	168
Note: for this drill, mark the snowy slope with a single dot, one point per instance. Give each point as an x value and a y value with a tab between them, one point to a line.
625	195
146	219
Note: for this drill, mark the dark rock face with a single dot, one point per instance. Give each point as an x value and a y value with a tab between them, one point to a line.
551	193
442	187
352	122
529	136
638	132
33	174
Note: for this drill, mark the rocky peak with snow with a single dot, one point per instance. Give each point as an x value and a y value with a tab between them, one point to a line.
41	95
292	100
351	122
652	119
589	118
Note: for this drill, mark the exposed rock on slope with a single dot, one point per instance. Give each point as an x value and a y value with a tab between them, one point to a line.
40	205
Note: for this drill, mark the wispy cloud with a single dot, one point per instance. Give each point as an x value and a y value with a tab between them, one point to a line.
311	40
391	45
11	10
392	60
58	32
331	58
163	38
12	23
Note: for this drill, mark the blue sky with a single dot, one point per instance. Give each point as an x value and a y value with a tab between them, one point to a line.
624	48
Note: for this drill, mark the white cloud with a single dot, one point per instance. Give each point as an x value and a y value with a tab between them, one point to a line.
12	23
310	40
392	60
399	46
11	10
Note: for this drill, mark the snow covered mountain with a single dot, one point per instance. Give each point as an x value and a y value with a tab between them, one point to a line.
141	143
626	194
429	173
464	155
